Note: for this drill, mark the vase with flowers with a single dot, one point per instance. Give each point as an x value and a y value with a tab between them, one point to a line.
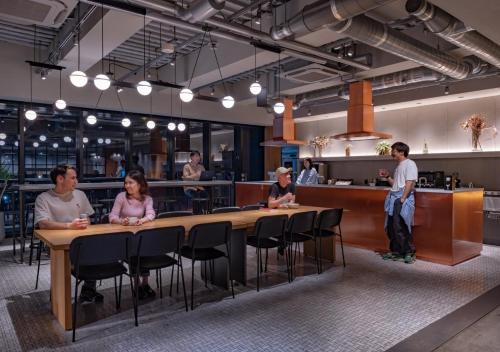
477	124
319	143
383	148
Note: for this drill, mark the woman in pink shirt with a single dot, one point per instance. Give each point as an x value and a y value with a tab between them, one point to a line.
135	203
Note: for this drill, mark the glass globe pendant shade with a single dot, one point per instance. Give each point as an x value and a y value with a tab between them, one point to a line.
100	140
126	122
186	95
3	136
78	79
55	145
42	138
171	126
67	139
2	143
30	115
255	88
144	88
85	140
36	144
181	127
60	104
91	120
107	141
228	102
279	107
102	82
151	124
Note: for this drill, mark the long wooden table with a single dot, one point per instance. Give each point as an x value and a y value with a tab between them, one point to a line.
59	242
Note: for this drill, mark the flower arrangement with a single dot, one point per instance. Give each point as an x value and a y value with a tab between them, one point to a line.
383	148
477	124
319	142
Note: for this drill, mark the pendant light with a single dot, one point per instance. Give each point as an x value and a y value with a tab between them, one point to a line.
151	124
227	101
60	103
78	78
255	87
279	107
125	120
92	119
181	127
101	81
31	114
144	87
186	94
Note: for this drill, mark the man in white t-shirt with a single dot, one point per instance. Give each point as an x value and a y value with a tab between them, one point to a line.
400	205
61	208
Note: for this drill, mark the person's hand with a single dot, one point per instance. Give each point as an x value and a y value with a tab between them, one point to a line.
78	224
402	200
383	173
289	196
124	221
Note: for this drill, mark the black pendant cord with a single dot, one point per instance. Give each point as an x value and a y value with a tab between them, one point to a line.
217	62
144	43
60	84
78	33
197	57
279	77
120	102
102	38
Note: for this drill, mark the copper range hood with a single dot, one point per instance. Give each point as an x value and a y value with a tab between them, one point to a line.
283	129
360	114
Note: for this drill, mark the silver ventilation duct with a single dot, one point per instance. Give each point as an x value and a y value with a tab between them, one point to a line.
454	31
321	13
379	35
200	10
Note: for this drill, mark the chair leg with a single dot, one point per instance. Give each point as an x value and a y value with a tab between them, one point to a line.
258	268
38	258
157	280
320	255
192	284
161	284
230	275
205	266
74	310
116	293
31	249
342	248
260	260
267	256
120	292
180	259
316	255
171	279
180	268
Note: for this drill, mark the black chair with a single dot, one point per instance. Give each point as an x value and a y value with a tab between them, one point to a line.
101	257
225	210
104	219
174	214
251	207
300	229
267	229
203	238
153	249
328	220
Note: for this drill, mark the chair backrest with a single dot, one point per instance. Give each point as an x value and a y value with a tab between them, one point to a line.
100	249
210	234
251	207
225	210
270	226
302	222
329	218
159	241
104	219
174	214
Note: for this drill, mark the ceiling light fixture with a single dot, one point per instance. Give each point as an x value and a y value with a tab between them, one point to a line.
309	112
3	136
107	141
78	78
181	127
55	145
100	140
171	126
446	90
31	114
255	87
151	124
43	138
43	74
91	120
144	87
126	122
2	143
279	107
16	143
101	81
228	101
85	140
60	103
36	144
67	139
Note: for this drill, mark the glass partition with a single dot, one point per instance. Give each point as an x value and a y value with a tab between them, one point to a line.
221	148
9	141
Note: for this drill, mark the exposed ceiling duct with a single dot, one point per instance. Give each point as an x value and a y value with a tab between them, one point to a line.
454	31
379	35
48	13
200	10
321	13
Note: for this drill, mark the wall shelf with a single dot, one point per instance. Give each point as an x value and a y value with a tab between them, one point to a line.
430	156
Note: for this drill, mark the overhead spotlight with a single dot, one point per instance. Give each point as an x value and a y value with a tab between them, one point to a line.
43	74
107	141
30	115
85	140
279	108
228	102
186	95
151	124
126	122
309	112
212	91
257	21
60	104
171	126
119	89
446	90
102	82
91	120
55	145
181	127
255	88
172	63
78	79
295	106
144	88
100	140
36	144
43	138
350	51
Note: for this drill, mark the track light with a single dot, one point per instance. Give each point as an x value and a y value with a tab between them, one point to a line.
446	90
309	112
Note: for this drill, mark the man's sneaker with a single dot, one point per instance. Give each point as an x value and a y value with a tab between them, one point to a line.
409	258
387	256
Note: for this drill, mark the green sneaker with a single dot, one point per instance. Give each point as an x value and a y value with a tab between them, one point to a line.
409	258
397	257
387	256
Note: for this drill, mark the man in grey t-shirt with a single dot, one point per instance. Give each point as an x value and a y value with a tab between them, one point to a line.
60	208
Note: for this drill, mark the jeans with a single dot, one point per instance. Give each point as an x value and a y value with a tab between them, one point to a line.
401	240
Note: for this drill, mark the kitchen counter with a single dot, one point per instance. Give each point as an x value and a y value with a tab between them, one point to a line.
448	225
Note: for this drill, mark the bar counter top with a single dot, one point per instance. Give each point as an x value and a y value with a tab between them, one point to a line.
371	188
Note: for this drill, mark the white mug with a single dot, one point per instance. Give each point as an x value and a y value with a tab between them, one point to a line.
132	220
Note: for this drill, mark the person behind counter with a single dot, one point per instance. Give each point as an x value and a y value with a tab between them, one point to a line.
309	175
400	205
192	172
65	207
135	203
282	191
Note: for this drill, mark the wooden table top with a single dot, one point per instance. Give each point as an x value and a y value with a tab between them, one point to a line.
61	239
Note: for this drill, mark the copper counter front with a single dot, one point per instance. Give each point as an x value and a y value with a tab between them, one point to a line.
448	226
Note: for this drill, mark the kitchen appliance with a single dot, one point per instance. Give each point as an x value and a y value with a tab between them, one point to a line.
290	159
431	179
491	218
322	170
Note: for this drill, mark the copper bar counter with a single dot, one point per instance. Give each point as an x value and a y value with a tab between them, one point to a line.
448	225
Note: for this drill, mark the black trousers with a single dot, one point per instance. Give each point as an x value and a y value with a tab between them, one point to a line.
401	240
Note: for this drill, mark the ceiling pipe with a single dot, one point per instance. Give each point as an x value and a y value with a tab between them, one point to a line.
454	31
379	35
200	10
321	13
233	31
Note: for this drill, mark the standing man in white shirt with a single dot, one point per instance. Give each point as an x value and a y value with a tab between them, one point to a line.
400	205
